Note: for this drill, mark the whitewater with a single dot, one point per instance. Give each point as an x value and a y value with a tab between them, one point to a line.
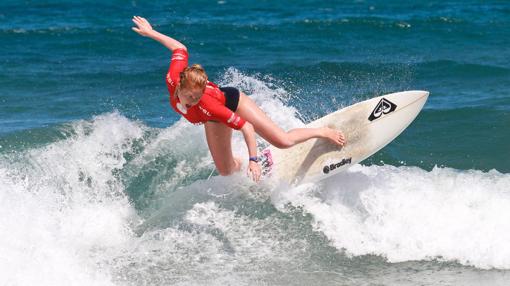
112	201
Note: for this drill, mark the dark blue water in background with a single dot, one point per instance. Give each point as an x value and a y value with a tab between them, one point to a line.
73	74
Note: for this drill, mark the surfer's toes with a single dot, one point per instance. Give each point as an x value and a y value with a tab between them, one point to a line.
341	139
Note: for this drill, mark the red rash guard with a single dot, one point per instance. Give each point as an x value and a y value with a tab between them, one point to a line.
211	106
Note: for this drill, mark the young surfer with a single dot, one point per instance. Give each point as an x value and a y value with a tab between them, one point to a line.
222	109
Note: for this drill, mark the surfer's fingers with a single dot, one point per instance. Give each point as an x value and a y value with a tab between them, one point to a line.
137	22
255	177
143	21
140	21
254	174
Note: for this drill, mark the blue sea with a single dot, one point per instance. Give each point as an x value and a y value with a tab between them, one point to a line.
102	183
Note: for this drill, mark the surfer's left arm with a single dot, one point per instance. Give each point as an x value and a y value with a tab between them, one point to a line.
251	142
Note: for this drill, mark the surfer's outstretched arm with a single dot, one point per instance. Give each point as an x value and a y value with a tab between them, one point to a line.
144	28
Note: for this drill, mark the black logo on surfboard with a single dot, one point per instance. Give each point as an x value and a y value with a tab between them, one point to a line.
331	167
383	107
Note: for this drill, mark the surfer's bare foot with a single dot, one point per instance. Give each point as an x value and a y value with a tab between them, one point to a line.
335	136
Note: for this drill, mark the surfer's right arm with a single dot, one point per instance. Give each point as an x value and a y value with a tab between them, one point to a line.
144	28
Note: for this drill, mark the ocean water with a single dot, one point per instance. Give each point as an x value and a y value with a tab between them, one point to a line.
101	183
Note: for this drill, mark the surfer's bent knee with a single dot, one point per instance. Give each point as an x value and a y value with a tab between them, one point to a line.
224	172
228	170
282	142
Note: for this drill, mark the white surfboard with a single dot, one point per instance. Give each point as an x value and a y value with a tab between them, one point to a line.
368	126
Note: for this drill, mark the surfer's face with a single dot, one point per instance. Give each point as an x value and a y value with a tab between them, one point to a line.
189	98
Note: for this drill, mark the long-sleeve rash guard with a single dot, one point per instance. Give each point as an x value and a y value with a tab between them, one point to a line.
211	106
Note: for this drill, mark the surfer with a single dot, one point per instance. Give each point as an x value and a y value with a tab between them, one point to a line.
222	109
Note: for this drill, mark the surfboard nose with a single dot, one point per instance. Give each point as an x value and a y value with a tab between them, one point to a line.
419	95
412	94
416	98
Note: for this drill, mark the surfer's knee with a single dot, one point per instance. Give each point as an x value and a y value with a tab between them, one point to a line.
227	170
282	142
224	172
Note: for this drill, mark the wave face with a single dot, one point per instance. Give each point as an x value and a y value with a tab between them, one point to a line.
113	201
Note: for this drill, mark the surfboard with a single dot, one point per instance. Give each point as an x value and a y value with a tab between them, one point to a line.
368	126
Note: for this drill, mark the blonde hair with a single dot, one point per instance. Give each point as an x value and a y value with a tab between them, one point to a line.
193	77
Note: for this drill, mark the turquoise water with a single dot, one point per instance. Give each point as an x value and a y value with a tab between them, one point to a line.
100	184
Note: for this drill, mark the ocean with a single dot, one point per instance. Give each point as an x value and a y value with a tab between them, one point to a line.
102	183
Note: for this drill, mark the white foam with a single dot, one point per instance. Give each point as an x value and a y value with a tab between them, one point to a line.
65	218
212	245
249	238
407	213
182	142
60	205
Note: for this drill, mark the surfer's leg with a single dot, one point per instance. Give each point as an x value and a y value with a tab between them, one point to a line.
219	137
275	135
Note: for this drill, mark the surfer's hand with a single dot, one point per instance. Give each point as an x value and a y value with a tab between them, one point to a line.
254	171
143	27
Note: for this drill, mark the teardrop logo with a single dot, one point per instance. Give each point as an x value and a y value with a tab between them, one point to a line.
383	107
